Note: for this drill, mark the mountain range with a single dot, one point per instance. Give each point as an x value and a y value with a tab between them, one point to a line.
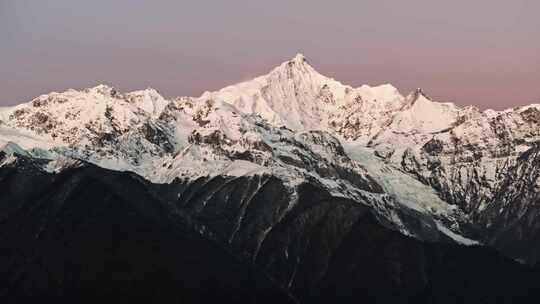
291	186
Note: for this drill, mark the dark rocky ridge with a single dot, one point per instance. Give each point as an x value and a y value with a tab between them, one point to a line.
93	234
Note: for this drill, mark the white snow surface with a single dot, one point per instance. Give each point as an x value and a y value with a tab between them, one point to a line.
456	237
409	192
244	168
61	163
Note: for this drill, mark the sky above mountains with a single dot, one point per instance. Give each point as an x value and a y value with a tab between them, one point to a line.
483	52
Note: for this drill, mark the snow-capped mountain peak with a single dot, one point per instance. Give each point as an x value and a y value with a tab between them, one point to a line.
297	96
284	123
292	95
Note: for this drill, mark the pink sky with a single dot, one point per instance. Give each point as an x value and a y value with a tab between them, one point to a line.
483	52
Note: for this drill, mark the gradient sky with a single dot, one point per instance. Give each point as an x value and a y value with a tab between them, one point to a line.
481	52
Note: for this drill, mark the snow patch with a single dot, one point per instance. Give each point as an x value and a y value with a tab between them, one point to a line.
456	237
244	168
